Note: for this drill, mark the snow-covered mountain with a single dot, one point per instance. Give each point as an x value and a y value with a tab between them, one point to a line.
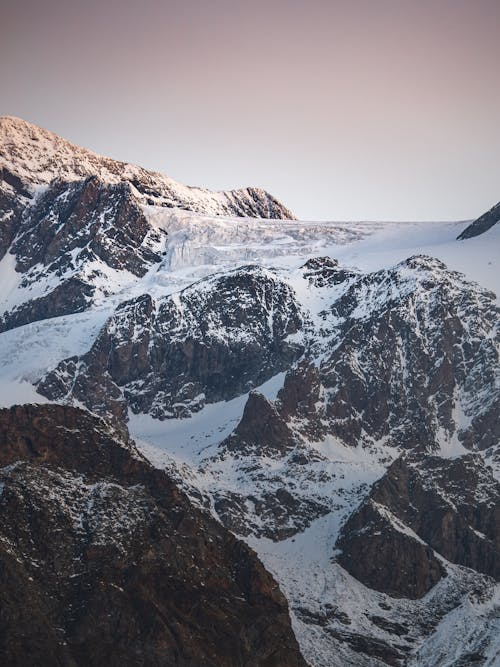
73	223
31	157
328	392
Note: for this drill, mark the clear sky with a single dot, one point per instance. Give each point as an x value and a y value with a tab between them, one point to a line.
344	109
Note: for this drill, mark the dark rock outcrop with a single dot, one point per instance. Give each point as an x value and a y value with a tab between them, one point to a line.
325	272
261	429
13	199
383	555
211	342
482	224
71	296
104	561
410	342
86	220
422	506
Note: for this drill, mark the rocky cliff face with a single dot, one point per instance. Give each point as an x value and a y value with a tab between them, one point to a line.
424	506
408	355
211	342
105	560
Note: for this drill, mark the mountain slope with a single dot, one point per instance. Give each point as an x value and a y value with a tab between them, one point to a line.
105	561
408	355
329	392
34	156
77	225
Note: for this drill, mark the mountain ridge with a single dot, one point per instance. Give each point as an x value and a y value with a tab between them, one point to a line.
52	156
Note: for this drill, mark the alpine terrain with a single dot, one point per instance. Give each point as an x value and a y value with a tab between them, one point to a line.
229	437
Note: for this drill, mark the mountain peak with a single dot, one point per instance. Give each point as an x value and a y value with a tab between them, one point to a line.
37	156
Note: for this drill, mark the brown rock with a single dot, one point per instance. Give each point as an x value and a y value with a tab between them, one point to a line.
104	561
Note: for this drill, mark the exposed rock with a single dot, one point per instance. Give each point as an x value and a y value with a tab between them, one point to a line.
372	647
261	430
454	505
482	224
13	199
380	553
211	342
89	220
103	560
37	156
325	271
410	344
424	504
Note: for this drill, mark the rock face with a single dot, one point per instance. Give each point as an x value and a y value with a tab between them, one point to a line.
103	560
420	506
407	354
86	219
413	342
73	295
382	554
211	342
482	224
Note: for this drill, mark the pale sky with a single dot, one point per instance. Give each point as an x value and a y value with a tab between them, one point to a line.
343	109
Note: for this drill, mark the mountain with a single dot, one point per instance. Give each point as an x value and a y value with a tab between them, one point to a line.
388	379
33	157
481	224
320	399
75	225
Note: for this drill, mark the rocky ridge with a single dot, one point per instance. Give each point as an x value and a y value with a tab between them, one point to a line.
105	560
330	446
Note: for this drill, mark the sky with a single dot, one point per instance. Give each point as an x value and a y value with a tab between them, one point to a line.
343	109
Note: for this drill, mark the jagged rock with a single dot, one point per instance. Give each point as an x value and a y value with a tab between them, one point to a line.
211	342
373	647
325	271
411	343
482	224
279	514
261	429
454	505
302	399
88	220
13	199
424	503
103	560
71	296
36	156
383	555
